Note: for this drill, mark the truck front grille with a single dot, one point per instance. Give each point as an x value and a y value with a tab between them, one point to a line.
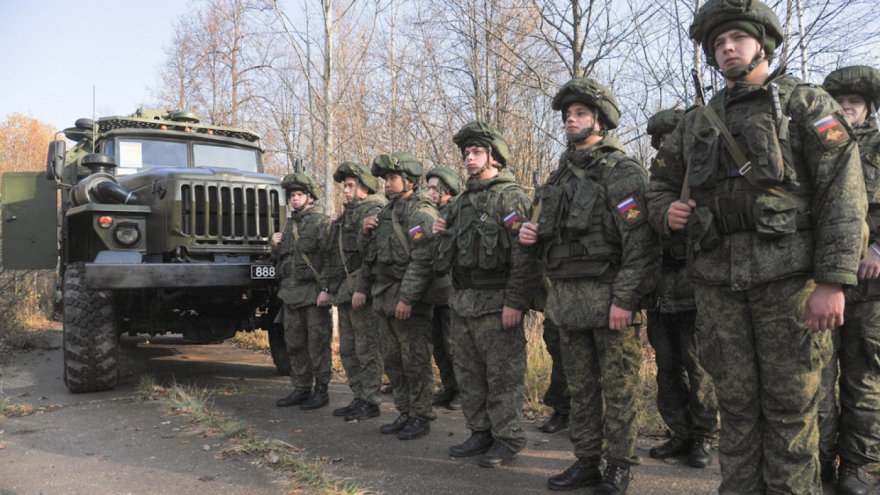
241	214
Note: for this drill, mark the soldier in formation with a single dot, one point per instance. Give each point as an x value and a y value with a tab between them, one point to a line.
766	183
600	253
855	436
685	395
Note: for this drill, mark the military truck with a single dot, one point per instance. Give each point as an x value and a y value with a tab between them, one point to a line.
163	225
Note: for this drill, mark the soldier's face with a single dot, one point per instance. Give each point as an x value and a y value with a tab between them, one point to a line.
735	48
298	199
436	196
578	117
477	157
855	108
664	137
349	188
394	183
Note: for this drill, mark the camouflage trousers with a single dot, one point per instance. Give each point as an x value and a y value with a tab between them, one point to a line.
557	395
603	368
307	334
360	350
857	431
442	346
765	363
490	362
407	348
685	394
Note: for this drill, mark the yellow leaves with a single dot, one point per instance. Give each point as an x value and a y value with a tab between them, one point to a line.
23	143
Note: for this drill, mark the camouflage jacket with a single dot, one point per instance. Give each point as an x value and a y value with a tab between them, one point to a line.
480	247
297	282
392	274
340	265
868	137
596	227
741	235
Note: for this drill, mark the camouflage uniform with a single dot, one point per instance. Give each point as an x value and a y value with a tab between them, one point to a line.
855	435
754	257
490	270
360	342
557	395
308	328
599	250
397	276
441	331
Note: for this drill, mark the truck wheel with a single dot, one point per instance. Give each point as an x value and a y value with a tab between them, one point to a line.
91	340
279	349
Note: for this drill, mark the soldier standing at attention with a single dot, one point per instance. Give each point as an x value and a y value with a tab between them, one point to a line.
398	246
360	341
685	394
856	435
308	327
774	219
602	258
494	279
443	185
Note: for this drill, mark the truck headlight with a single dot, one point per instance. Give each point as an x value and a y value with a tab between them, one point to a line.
127	234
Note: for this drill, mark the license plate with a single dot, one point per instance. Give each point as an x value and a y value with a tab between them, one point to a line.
262	271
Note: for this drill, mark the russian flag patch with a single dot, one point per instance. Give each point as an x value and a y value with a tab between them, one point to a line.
630	210
513	221
830	131
416	233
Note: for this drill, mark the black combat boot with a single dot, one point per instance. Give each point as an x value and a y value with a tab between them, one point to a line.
362	411
853	480
318	399
443	398
296	397
478	443
345	411
415	428
556	423
497	455
396	426
579	475
615	480
455	403
675	446
701	453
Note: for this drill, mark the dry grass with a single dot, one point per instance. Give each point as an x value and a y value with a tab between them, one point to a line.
26	301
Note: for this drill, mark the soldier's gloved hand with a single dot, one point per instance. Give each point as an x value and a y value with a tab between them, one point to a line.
370	223
439	226
510	317
276	238
678	213
403	311
620	318
825	307
358	300
869	268
323	299
528	234
336	216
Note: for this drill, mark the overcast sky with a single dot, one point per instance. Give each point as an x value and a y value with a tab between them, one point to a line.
55	51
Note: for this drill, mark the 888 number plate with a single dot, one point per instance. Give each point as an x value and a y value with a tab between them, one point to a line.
262	271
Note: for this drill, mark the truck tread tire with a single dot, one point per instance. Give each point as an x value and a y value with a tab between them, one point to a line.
91	340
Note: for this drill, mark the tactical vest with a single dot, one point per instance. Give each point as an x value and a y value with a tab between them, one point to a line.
291	262
588	244
477	248
773	150
348	227
868	138
386	251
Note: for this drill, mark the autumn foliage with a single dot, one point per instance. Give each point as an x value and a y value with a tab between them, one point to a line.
23	143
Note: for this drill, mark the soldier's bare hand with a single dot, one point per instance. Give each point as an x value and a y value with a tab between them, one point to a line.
276	238
323	299
528	234
825	307
620	318
403	311
439	226
358	300
869	268
510	317
370	223
678	213
336	216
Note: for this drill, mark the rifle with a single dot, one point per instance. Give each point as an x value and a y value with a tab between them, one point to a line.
537	213
700	100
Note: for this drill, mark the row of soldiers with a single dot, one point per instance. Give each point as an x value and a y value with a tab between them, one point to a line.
755	223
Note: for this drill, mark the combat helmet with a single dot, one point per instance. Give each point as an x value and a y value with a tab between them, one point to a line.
399	162
858	79
301	182
592	94
662	122
752	16
448	177
357	171
484	135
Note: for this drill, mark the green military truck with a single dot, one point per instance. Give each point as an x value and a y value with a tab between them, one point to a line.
163	226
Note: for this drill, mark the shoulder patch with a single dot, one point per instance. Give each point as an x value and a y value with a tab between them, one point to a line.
416	233
830	131
513	221
631	210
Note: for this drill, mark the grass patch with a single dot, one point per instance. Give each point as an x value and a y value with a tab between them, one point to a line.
258	339
8	409
282	456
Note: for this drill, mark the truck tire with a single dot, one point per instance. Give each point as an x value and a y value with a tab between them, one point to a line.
279	349
91	339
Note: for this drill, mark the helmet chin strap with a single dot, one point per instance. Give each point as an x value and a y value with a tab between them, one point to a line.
739	72
580	137
478	172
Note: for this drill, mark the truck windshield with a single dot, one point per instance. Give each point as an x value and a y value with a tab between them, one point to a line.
135	155
206	155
